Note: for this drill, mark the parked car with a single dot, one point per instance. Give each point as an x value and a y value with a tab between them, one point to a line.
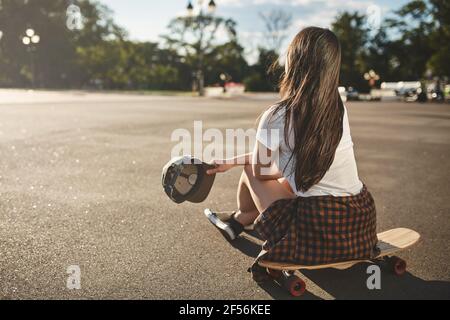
407	88
352	94
415	95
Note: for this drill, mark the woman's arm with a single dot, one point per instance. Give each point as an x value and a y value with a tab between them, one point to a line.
225	165
261	163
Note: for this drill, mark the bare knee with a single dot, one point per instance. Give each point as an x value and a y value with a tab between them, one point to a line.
247	177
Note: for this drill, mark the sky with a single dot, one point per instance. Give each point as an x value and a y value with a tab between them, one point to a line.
146	20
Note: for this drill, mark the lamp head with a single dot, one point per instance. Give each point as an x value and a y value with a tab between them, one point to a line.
29	32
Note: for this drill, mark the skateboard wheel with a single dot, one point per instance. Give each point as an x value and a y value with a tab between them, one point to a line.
398	266
275	274
295	286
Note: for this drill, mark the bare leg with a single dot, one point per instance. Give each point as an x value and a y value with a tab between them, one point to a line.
255	196
247	211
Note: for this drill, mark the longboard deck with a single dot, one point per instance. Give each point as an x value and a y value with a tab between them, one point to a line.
389	243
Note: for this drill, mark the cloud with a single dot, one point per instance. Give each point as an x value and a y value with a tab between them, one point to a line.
241	3
354	4
318	13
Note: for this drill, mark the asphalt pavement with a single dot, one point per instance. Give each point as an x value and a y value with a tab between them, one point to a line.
80	184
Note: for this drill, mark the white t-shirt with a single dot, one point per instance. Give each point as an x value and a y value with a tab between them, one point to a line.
342	177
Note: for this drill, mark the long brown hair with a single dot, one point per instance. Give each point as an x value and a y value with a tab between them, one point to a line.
314	109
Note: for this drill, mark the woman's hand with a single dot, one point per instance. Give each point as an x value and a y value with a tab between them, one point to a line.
221	166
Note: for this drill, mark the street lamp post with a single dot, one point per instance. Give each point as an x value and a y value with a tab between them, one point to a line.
31	40
200	79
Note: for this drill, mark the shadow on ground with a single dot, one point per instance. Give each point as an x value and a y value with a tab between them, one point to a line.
351	283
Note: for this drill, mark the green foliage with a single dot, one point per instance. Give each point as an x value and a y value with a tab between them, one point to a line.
353	35
123	64
197	34
194	36
256	83
54	57
411	44
412	50
440	38
421	43
265	74
226	59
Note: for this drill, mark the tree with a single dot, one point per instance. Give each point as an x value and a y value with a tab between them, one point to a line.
55	55
412	49
421	42
440	38
195	36
277	23
122	64
380	54
226	59
352	33
265	74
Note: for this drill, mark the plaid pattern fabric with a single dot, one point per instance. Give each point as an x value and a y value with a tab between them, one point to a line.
319	230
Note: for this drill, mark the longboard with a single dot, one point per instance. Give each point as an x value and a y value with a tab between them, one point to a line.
389	243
